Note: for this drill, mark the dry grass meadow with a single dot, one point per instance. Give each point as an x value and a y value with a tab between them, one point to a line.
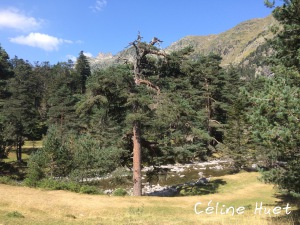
22	205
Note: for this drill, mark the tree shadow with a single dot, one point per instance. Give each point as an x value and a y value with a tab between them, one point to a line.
294	216
190	189
15	170
30	151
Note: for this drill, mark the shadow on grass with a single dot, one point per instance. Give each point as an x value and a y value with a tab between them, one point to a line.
294	216
14	170
29	151
190	189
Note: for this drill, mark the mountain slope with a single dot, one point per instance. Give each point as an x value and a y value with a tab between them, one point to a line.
233	45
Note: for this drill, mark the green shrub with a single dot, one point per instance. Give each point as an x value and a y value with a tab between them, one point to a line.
34	171
15	214
71	186
49	184
121	176
120	192
6	180
52	184
30	182
86	189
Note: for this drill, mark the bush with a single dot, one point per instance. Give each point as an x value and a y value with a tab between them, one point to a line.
120	192
190	191
34	171
30	182
86	189
77	157
121	176
6	180
52	184
71	186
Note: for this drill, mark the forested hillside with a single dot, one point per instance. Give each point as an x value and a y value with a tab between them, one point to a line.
160	107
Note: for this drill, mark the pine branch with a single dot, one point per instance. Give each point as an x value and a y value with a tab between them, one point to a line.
148	83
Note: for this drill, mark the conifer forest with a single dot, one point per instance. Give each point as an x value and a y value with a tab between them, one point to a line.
151	108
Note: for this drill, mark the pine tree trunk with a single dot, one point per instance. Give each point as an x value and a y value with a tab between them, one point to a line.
208	110
141	52
137	175
19	151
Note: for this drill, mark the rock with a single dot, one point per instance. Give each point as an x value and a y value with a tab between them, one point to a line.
168	192
203	180
177	169
200	174
108	192
217	167
254	166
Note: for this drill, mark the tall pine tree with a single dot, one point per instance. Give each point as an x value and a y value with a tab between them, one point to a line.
21	119
274	114
5	74
83	69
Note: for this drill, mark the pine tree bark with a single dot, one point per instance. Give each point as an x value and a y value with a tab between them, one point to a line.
137	151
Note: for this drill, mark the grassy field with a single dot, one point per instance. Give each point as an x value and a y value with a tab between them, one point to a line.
27	148
32	144
22	205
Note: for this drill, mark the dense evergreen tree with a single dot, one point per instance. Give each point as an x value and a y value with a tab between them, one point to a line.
42	73
83	69
206	78
61	97
140	102
5	74
275	108
68	155
20	112
274	126
104	107
190	108
238	144
175	119
287	42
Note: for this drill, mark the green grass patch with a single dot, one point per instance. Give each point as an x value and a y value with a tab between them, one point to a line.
32	144
15	214
13	158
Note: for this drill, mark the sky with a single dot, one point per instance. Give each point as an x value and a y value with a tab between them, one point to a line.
57	30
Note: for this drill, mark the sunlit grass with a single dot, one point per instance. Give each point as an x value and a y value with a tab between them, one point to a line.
27	148
60	207
32	144
12	156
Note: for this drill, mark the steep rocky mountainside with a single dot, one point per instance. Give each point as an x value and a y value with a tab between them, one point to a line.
234	45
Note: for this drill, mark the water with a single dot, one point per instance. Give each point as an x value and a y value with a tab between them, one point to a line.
168	175
182	173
